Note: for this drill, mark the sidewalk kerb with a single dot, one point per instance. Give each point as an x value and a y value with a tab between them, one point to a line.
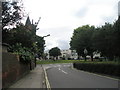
46	80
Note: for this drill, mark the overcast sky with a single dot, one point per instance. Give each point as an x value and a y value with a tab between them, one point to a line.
59	18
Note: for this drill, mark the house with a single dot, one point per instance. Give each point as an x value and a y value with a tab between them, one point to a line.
69	54
65	55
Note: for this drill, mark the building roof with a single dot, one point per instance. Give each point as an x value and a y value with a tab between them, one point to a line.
28	22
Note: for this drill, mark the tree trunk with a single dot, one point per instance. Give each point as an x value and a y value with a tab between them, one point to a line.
92	57
85	58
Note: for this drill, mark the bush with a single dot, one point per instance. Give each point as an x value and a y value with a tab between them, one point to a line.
24	53
103	68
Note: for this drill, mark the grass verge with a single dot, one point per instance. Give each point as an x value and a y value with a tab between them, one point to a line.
57	61
72	61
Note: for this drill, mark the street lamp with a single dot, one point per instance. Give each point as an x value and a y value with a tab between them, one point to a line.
46	36
43	38
85	53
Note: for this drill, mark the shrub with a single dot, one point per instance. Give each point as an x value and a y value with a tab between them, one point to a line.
104	68
24	53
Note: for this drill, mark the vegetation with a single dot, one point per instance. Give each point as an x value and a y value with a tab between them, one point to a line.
12	13
55	52
57	61
24	53
110	68
21	38
82	40
104	39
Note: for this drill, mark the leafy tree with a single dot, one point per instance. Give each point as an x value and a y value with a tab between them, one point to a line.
103	40
12	13
55	52
22	35
40	42
117	37
81	39
26	54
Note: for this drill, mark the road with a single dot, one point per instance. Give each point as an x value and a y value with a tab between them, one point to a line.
62	76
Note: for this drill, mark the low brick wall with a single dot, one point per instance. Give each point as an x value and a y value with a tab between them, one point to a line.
12	69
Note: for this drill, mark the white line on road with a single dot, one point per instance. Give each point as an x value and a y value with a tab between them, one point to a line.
64	72
59	68
66	65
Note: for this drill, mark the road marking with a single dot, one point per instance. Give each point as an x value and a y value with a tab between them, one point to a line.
64	72
46	80
66	65
59	68
47	67
58	65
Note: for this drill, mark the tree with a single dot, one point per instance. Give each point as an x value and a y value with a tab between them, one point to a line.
103	40
12	13
22	35
82	39
40	42
116	27
55	52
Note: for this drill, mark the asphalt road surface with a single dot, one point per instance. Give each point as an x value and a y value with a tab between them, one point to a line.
63	76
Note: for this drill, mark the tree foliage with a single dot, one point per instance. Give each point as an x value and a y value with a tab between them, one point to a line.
21	36
82	39
54	52
24	36
12	13
104	39
117	37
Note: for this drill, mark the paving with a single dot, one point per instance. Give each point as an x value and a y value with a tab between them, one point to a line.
35	79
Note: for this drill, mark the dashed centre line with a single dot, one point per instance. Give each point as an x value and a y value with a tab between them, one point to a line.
62	70
59	68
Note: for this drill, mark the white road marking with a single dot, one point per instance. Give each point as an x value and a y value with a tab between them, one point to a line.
59	65
59	68
66	65
64	72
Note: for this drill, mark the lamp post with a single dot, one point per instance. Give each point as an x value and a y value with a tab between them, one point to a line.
43	38
85	53
46	36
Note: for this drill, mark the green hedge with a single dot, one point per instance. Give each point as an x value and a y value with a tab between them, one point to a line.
103	68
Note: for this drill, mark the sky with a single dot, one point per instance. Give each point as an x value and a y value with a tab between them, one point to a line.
59	18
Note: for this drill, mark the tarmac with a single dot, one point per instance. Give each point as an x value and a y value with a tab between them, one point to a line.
34	79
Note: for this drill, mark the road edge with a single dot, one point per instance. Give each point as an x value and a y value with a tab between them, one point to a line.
100	75
46	80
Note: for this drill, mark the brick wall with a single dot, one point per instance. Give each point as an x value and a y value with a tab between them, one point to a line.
12	69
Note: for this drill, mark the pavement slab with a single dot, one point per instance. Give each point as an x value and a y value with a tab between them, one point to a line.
35	79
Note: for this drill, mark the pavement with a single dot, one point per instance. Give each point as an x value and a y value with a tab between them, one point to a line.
35	79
